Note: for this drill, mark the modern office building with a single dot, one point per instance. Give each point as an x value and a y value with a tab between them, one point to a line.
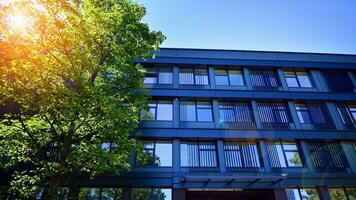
226	124
231	124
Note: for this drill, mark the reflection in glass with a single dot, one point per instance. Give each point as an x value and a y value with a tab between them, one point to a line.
337	194
151	194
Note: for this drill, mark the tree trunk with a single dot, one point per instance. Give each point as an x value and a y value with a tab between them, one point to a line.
73	192
52	188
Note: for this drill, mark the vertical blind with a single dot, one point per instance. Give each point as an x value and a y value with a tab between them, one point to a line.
194	76
274	114
327	156
241	156
199	154
265	79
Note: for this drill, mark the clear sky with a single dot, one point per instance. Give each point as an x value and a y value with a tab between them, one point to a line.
279	25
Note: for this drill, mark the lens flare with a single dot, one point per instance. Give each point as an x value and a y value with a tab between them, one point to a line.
19	23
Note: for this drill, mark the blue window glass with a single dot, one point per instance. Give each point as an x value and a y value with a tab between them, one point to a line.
303	113
158	110
200	111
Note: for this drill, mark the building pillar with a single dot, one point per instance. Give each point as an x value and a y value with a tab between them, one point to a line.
280	194
175	76
307	156
323	193
350	154
221	156
176	155
176	111
282	78
294	115
211	77
126	194
215	105
178	194
247	77
319	81
264	154
256	115
335	116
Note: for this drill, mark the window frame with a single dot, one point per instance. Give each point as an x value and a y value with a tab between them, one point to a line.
305	109
299	189
154	149
198	155
284	151
232	106
194	69
155	103
227	72
295	75
196	108
157	71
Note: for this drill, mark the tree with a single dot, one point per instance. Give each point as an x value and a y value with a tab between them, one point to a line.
68	67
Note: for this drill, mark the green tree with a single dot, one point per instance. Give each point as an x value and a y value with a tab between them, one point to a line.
68	67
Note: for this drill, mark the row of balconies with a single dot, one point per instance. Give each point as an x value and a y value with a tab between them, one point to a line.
249	114
248	78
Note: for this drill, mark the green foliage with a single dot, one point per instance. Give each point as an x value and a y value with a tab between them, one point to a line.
73	76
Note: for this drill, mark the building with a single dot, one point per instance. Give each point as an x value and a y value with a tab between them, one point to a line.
231	124
226	124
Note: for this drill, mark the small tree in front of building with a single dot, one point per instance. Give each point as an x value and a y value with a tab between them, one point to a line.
67	67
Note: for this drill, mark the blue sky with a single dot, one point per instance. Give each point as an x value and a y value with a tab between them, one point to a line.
280	25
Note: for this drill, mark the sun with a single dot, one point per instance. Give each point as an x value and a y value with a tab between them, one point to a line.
19	22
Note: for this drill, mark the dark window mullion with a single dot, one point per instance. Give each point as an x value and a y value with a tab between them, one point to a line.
284	153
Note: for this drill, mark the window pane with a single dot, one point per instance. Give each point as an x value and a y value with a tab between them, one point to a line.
89	193
280	155
184	155
221	80
150	79
292	82
236	77
110	194
165	75
226	112
186	76
352	193
309	194
304	79
220	72
292	194
204	115
187	111
337	194
163	154
304	117
201	80
164	110
289	146
293	159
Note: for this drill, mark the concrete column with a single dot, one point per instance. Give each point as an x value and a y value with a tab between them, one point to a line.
323	193
176	76
256	115
280	194
350	154
282	78
176	111
246	73
307	156
126	194
211	77
264	154
335	115
221	156
176	155
319	81
215	105
294	115
178	194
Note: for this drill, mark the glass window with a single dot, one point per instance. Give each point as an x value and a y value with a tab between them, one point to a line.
302	194
264	79
241	154
225	76
158	110
351	192
337	193
193	76
303	113
155	154
100	193
273	112
200	111
284	154
158	74
298	79
198	154
151	194
235	112
352	109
